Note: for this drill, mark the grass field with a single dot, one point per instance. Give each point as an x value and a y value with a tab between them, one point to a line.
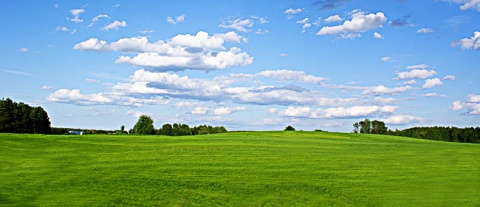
237	169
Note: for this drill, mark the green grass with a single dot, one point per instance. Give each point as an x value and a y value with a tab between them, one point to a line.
237	169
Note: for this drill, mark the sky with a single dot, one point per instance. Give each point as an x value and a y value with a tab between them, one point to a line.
245	65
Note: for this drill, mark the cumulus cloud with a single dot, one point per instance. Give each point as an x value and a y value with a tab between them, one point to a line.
46	87
410	82
176	20
421	66
467	4
339	112
425	30
76	15
200	51
291	75
472	104
200	110
402	120
429	83
360	22
305	24
416	73
74	96
291	12
228	110
334	18
380	90
468	43
115	25
239	24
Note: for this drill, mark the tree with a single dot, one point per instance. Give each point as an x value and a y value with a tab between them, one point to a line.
365	126
289	128
356	127
144	125
378	127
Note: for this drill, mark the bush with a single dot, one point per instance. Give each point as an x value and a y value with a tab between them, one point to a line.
289	128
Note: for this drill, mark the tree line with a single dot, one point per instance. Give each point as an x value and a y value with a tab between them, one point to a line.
144	125
450	134
22	118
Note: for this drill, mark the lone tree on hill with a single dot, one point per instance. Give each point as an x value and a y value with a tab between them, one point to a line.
289	128
144	125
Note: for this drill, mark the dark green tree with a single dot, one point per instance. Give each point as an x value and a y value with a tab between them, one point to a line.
365	126
289	128
144	125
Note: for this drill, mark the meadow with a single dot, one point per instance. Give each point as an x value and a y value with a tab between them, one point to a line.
237	169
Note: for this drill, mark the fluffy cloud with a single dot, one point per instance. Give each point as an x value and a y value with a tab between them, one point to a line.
429	83
200	110
360	22
115	25
472	104
380	90
293	11
386	59
227	110
200	51
176	20
425	30
334	18
467	4
469	43
97	18
416	73
402	120
293	75
46	87
239	24
340	112
421	66
76	15
305	24
74	96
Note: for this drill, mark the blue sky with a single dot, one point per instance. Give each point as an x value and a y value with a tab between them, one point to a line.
246	65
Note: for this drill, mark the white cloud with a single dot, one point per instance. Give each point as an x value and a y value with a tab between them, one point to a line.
227	110
379	90
200	51
410	82
200	110
261	31
334	18
176	20
467	4
146	31
359	23
293	11
24	50
429	83
239	24
115	25
425	30
402	120
60	28
472	104
468	43
349	36
305	24
340	112
449	77
263	20
386	59
294	75
76	15
416	73
377	35
46	87
283	55
430	95
97	18
421	66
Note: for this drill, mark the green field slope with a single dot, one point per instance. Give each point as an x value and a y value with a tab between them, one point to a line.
237	169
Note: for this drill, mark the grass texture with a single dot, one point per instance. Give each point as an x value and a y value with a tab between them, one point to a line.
237	169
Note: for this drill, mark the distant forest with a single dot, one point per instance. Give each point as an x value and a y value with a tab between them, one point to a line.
22	118
440	133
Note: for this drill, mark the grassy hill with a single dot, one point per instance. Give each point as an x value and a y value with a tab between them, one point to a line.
237	169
